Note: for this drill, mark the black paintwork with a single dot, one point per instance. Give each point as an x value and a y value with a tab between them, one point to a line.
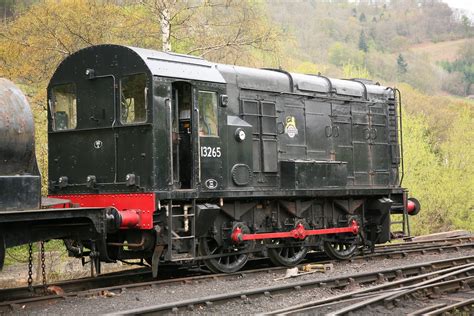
289	149
124	148
340	122
19	192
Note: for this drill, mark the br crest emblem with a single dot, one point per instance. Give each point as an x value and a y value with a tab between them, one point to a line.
290	126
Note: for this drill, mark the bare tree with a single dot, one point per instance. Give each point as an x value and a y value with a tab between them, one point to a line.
215	28
166	29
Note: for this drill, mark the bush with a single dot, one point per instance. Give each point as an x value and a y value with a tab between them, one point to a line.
439	160
453	83
340	54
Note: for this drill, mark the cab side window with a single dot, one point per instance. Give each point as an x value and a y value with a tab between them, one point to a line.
64	107
133	91
207	101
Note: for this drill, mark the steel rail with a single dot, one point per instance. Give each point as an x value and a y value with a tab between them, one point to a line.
417	247
403	250
384	291
74	285
115	281
422	242
390	299
420	250
466	305
337	282
425	310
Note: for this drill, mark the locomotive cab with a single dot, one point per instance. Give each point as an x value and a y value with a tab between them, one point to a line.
100	124
131	120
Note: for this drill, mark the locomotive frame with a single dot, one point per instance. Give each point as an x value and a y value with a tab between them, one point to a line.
199	161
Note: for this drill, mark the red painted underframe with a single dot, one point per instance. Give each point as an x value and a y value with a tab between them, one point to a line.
298	233
136	209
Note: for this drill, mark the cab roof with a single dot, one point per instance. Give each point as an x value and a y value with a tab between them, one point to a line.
179	66
188	67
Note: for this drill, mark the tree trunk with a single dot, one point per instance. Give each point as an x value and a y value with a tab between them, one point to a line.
165	30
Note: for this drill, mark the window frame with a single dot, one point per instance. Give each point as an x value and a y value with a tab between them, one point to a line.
53	102
199	90
145	103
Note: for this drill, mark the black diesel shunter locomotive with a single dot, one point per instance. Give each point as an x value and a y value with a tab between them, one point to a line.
189	160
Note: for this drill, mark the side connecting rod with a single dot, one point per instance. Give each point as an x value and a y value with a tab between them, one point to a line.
298	233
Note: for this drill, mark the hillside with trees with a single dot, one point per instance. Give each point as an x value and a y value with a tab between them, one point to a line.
381	40
398	43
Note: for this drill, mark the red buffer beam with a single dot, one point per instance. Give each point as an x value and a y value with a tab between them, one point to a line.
298	233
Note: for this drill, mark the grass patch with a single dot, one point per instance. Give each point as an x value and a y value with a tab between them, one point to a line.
19	254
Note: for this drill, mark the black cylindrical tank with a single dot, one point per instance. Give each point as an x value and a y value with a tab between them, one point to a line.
17	133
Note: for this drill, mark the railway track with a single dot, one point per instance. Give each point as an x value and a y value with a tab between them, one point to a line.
441	270
140	278
391	294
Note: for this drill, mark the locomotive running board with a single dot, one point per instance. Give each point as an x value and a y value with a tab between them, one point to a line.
298	233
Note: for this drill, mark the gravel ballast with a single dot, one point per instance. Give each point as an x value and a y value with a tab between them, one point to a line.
177	292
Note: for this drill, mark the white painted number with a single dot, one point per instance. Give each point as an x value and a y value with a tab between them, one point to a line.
211	152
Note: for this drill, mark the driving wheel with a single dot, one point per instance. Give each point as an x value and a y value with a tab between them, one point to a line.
287	253
230	261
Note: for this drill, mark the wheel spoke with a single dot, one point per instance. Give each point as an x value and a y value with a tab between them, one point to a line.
340	249
292	252
230	262
287	253
214	251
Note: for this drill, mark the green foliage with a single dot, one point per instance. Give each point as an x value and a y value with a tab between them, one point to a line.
381	65
464	64
340	54
355	71
439	162
453	83
422	74
19	254
334	32
443	187
467	26
309	68
458	165
40	35
421	172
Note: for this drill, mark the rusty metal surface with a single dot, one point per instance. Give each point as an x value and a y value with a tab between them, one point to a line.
17	154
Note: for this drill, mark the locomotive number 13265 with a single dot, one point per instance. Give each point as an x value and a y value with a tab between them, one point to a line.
210	152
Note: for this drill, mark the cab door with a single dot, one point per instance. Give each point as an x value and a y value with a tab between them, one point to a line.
209	145
175	150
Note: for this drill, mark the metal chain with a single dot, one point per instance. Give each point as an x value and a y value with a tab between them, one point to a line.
30	266
43	265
